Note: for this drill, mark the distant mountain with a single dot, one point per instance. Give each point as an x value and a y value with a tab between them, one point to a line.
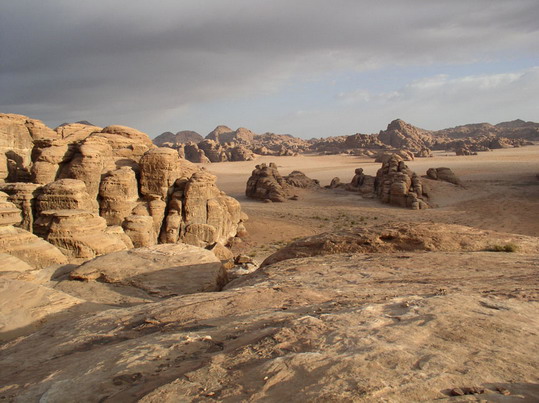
511	130
181	137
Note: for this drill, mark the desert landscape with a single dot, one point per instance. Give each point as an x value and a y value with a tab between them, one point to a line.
269	201
131	274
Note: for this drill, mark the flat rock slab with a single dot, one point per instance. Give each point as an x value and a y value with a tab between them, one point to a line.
162	270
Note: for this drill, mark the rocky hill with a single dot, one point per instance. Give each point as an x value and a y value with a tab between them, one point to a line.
168	139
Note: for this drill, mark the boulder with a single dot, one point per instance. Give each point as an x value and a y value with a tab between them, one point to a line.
266	183
443	174
162	270
299	180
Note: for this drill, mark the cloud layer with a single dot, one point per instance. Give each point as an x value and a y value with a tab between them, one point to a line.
161	65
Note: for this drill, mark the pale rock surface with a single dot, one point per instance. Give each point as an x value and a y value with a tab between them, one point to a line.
25	305
162	270
354	328
10	264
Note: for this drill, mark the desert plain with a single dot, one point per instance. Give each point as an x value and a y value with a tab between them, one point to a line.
427	312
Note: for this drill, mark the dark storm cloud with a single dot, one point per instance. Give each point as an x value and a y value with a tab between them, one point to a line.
63	59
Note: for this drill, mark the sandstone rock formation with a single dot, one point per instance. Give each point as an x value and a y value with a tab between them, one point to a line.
396	184
160	271
443	174
266	183
108	189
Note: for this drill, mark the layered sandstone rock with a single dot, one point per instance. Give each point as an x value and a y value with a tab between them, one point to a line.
64	194
266	183
76	131
17	136
9	213
48	155
118	195
397	184
22	244
213	150
159	169
172	140
79	234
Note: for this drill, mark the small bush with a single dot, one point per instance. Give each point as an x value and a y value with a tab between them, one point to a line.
509	247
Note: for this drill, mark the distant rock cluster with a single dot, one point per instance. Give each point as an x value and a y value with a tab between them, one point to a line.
88	191
224	144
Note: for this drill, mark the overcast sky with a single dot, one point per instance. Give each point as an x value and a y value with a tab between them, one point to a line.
310	68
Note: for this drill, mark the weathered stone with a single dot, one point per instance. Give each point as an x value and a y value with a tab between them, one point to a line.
79	234
443	174
159	169
118	195
64	194
266	183
23	196
299	180
9	213
140	229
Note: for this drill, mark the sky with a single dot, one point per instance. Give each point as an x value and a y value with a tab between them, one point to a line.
310	68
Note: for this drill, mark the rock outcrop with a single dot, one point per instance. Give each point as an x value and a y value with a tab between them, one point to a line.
104	190
396	184
266	183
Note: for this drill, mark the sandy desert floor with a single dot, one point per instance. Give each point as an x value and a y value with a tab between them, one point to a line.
501	192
